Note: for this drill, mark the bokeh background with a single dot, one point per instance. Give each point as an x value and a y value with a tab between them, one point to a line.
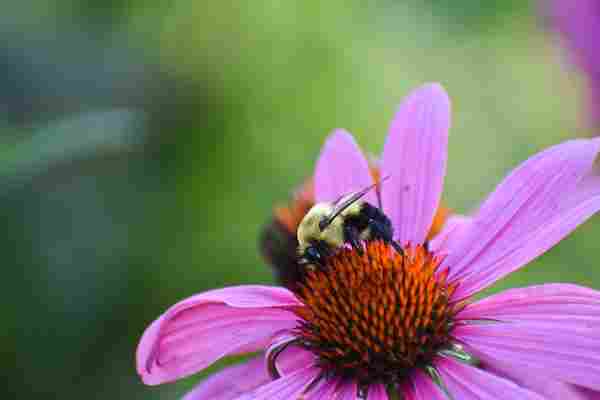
144	144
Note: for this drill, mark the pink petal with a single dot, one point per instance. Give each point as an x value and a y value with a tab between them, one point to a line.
342	169
551	329
232	382
291	386
548	387
377	392
594	100
347	391
587	394
454	226
467	382
292	358
579	23
556	302
197	331
536	206
414	156
236	380
326	389
423	388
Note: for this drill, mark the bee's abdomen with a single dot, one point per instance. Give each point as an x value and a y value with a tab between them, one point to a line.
280	247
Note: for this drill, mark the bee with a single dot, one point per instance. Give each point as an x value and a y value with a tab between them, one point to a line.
349	220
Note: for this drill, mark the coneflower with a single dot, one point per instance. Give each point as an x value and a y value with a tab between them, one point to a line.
381	324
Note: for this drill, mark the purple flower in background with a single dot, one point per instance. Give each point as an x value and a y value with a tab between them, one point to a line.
578	22
378	323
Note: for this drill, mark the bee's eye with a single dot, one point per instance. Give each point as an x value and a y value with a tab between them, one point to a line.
323	223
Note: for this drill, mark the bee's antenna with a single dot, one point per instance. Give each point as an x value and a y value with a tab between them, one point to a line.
340	207
378	192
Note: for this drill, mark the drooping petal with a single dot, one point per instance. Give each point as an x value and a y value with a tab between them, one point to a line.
536	206
414	156
290	386
197	331
232	382
342	169
326	389
377	392
243	378
467	382
291	357
347	391
423	388
587	394
552	330
548	387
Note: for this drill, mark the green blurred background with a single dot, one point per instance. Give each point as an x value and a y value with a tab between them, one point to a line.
144	144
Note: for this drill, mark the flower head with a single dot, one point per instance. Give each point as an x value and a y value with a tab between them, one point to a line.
376	316
374	323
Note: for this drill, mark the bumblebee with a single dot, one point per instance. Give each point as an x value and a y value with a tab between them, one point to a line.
278	241
350	220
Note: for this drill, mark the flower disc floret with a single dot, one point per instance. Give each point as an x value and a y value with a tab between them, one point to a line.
375	315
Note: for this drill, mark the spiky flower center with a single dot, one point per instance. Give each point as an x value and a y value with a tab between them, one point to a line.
375	316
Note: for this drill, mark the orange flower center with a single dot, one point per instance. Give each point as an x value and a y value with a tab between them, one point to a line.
376	315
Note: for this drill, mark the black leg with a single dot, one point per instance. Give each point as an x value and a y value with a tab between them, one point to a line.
316	254
397	247
324	250
352	236
312	256
383	232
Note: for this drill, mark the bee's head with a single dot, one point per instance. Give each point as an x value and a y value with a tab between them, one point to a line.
314	224
324	222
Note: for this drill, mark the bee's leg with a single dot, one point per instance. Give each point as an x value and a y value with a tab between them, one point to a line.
312	256
385	233
326	251
397	247
316	254
352	236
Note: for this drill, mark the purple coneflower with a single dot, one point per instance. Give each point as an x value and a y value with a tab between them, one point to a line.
578	22
381	324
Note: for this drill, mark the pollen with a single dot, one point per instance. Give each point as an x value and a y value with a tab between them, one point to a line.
376	315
